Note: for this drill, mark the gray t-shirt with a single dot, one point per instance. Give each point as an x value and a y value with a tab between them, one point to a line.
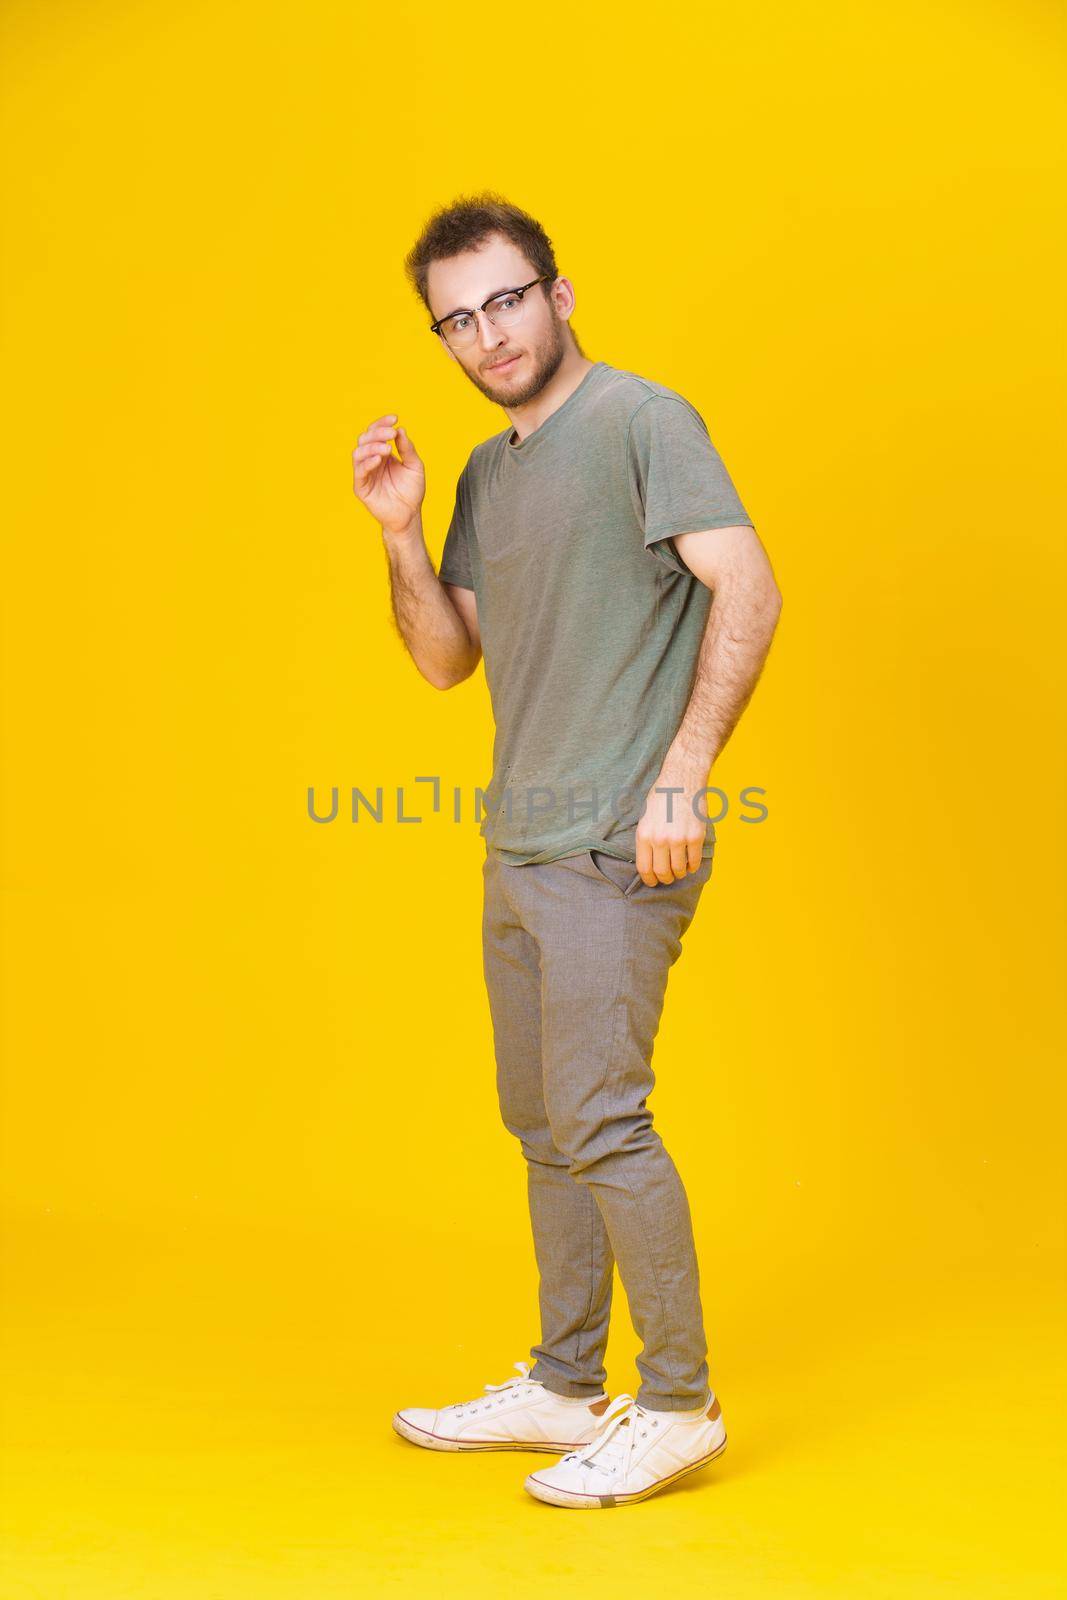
591	622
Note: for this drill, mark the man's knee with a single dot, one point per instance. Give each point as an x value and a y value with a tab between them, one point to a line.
591	1143
533	1133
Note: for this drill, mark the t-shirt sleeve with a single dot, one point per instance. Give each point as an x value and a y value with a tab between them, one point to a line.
456	556
677	477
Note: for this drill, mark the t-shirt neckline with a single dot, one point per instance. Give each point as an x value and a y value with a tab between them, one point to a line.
523	444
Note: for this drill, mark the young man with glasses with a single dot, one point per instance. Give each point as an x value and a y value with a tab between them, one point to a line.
600	560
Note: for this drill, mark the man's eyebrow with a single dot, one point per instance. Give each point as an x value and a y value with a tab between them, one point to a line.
468	310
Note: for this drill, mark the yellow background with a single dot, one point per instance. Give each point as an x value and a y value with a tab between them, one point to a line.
257	1191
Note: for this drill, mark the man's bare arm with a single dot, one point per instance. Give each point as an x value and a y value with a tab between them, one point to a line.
744	614
438	622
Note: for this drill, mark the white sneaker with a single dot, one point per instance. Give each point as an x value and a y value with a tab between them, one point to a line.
636	1452
520	1414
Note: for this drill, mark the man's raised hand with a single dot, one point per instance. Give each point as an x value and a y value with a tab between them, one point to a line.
392	487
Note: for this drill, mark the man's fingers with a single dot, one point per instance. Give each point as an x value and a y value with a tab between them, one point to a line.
668	861
366	459
679	858
383	429
367	466
661	863
656	863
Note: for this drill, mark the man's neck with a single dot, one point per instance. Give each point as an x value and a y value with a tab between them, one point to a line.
527	419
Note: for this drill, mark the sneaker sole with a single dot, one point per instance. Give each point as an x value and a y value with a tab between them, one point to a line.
601	1502
431	1441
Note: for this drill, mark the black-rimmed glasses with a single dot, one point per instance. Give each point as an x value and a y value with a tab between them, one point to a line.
460	328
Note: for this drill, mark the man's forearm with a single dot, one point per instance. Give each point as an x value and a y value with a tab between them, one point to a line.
426	619
736	641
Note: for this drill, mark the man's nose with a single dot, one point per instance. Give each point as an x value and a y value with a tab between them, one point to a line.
488	336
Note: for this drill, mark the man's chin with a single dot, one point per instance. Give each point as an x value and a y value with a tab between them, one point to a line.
520	383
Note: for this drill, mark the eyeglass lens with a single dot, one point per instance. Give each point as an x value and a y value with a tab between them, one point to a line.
503	312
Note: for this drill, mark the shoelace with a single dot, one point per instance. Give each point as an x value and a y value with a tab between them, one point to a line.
614	1440
470	1407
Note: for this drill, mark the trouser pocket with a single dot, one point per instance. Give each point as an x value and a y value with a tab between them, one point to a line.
622	875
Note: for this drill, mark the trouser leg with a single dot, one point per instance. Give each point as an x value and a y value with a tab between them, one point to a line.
605	956
571	1246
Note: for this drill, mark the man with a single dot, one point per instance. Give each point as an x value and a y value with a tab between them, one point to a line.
600	558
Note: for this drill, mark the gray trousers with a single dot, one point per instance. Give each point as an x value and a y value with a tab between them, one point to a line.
576	956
